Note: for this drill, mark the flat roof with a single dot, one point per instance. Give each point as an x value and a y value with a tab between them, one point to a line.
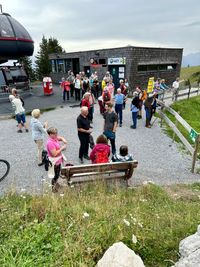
123	47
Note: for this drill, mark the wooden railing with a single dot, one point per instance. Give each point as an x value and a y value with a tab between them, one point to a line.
195	137
186	93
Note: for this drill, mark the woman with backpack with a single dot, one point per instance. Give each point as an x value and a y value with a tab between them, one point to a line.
101	151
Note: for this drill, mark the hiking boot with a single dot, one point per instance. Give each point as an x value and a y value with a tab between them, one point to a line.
86	157
132	127
19	131
27	130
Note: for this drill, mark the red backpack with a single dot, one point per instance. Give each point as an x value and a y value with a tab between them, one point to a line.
102	156
106	96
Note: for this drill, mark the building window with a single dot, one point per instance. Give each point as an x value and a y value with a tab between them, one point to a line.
68	64
102	61
152	67
53	66
98	61
60	63
142	68
156	67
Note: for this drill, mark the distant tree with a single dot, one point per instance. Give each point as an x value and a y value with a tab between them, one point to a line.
47	46
54	46
26	62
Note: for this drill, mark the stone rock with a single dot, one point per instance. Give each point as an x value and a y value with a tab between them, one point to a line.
119	255
189	249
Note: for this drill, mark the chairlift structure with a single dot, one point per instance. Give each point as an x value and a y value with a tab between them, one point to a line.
15	41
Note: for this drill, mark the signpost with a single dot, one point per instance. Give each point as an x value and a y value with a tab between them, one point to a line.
193	135
150	85
196	139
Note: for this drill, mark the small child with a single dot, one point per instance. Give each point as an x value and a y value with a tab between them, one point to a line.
123	155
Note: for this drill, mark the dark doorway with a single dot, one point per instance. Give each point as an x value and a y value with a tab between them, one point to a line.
87	71
75	65
118	73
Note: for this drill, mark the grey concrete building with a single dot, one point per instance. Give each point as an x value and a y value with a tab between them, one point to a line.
136	64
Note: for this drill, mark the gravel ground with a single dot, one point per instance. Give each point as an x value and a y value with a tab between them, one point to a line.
160	160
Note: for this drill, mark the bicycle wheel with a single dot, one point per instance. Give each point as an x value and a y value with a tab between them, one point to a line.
4	169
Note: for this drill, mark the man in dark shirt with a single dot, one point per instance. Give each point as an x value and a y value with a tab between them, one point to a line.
84	130
110	125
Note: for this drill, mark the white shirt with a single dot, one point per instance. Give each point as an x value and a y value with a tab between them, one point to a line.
175	84
77	84
17	104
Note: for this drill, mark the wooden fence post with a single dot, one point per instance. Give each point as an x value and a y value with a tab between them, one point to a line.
174	134
189	84
194	157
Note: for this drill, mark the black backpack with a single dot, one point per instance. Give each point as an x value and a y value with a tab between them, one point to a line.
45	160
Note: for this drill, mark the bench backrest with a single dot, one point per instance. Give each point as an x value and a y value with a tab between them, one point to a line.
93	172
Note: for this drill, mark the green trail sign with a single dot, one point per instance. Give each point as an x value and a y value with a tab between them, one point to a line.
193	135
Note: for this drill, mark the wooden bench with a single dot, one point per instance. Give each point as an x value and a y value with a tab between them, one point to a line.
95	172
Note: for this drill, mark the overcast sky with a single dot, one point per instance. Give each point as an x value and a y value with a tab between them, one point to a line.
94	24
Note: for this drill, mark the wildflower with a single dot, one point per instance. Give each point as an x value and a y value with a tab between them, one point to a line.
62	195
143	200
23	189
85	215
140	224
134	239
157	216
126	222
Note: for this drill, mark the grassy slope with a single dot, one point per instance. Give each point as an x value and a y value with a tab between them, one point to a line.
187	73
189	110
50	230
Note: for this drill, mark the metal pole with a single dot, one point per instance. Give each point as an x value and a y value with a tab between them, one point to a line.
194	158
1	8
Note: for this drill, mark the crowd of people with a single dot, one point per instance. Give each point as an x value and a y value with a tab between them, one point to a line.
112	102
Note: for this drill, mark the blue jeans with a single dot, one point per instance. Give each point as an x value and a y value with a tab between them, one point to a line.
118	110
134	118
111	136
148	116
20	117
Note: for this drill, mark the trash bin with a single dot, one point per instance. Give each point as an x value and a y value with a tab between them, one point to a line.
47	86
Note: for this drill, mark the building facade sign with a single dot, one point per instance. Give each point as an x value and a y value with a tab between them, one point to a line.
117	61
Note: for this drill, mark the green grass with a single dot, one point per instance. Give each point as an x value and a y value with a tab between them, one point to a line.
192	73
50	230
189	110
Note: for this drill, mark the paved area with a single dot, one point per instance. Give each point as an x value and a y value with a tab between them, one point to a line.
35	99
160	160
